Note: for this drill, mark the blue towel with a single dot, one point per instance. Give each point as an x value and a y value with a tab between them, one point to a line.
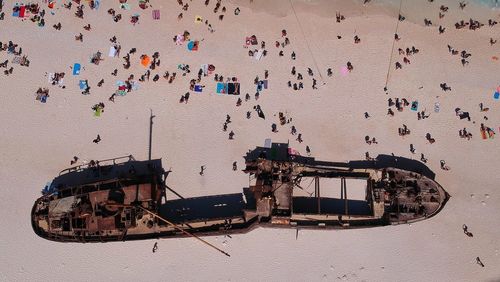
221	87
496	96
76	69
83	84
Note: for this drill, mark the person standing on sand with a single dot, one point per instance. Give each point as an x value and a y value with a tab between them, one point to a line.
422	158
478	261
202	169
349	66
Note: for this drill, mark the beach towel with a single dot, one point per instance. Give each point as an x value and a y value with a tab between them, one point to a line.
125	6
414	106
82	84
43	98
193	45
265	83
156	14
198	19
135	85
233	88
76	69
112	51
221	88
496	96
16	60
98	112
204	68
198	88
436	107
22	11
50	77
121	92
179	39
258	55
145	60
15	10
51	4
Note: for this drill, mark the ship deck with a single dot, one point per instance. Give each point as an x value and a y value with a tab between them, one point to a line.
203	208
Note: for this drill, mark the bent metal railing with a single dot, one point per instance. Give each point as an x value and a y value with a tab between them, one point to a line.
112	161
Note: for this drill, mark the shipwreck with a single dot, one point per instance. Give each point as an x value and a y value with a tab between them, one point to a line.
124	199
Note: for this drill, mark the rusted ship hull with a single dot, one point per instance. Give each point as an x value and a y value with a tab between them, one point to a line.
121	200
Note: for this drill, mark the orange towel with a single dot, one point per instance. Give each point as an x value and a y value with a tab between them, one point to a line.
145	61
483	134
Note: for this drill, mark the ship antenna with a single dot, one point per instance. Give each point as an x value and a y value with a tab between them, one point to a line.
150	132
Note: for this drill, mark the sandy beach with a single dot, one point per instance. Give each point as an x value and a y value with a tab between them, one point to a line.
38	140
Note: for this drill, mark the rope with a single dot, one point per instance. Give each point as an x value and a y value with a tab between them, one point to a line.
393	44
307	43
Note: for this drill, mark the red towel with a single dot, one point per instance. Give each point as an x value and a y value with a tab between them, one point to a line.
22	10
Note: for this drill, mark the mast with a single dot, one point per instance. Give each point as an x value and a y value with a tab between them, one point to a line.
150	132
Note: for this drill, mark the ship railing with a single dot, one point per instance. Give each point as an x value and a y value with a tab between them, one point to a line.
113	161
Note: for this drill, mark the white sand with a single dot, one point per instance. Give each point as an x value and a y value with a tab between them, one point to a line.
38	140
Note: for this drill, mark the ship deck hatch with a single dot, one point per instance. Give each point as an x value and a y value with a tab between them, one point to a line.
308	205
